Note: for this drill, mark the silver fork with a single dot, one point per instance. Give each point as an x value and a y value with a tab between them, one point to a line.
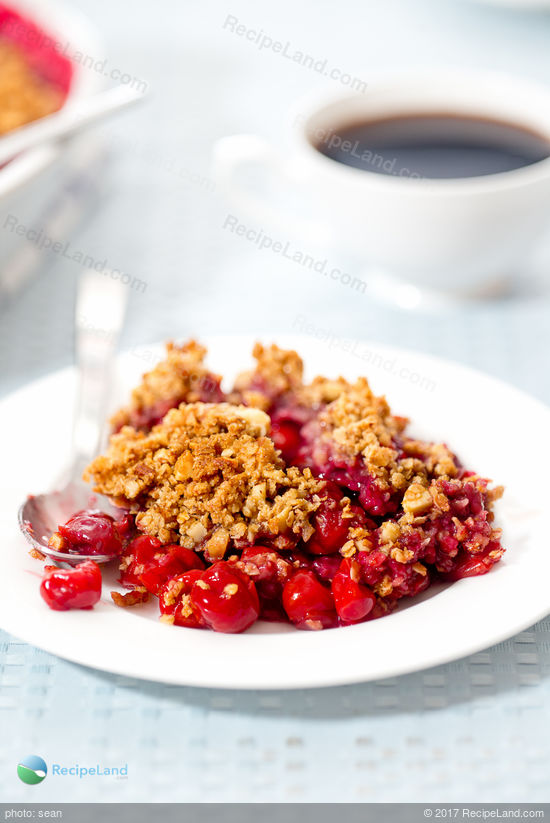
100	309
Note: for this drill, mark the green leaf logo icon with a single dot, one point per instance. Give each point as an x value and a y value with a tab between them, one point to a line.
32	769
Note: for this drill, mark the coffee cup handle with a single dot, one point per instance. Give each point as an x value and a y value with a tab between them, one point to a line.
235	154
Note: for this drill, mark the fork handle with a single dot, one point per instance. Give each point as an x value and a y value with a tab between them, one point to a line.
100	309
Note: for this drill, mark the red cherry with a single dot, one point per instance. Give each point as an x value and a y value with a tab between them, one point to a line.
475	564
144	548
174	561
326	566
331	529
137	557
269	571
353	601
125	525
76	588
149	416
286	436
174	600
152	564
262	563
226	598
308	604
92	532
300	561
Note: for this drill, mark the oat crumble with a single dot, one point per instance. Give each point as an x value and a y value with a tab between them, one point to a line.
207	475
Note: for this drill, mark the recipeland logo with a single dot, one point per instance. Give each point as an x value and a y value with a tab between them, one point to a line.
32	770
90	771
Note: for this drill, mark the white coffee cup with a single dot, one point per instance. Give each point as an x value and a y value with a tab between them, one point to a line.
462	236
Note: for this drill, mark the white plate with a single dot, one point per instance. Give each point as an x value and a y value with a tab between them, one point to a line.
495	429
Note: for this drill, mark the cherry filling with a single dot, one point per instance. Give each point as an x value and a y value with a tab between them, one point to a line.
353	600
309	604
472	565
77	588
308	449
325	567
225	598
373	499
145	418
149	564
345	573
269	570
331	529
286	436
93	532
175	600
207	389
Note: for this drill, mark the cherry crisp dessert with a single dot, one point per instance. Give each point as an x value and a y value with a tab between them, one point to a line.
280	499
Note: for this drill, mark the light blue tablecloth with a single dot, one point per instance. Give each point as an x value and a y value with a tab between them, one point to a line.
475	730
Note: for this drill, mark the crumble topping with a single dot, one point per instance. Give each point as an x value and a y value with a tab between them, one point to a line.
207	475
357	423
278	372
322	390
180	377
438	459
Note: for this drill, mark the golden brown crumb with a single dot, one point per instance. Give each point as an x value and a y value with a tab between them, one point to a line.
57	542
207	469
132	598
359	424
322	390
277	372
439	461
180	377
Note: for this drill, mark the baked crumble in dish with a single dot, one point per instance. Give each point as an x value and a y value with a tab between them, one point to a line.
279	499
35	77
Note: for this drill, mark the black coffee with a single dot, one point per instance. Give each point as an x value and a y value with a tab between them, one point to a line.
434	146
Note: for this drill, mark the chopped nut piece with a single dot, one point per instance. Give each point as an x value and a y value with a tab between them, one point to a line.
130	598
197	532
348	549
314	625
217	544
401	555
389	532
417	500
384	588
